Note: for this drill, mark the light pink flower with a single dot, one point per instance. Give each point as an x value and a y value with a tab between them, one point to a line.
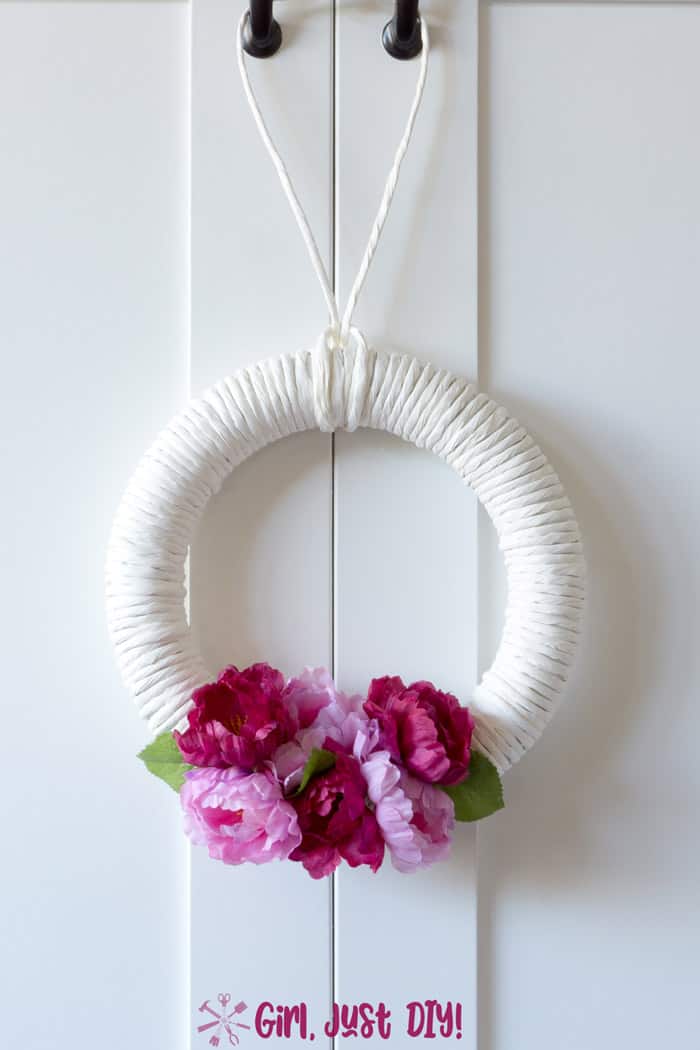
307	694
238	816
343	721
416	819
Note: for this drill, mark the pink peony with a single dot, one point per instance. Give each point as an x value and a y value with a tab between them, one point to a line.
428	731
417	819
346	724
238	816
239	720
335	821
306	695
342	721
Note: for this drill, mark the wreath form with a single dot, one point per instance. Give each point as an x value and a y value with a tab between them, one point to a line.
349	388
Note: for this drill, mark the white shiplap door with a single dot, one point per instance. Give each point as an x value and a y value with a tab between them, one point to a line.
363	552
406	530
356	551
261	568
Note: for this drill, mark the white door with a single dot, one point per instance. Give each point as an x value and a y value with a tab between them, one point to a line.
545	242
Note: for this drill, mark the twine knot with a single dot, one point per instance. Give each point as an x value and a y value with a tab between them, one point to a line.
340	372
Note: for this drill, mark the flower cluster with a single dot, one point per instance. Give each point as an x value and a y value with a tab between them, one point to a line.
271	769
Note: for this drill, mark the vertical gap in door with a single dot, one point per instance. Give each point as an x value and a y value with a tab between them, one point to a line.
187	991
335	285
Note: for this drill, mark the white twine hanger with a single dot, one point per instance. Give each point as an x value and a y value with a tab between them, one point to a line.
339	328
342	382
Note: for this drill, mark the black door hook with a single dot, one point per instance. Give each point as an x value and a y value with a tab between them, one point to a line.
262	35
402	36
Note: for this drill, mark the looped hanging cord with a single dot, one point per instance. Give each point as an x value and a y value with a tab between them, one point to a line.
340	328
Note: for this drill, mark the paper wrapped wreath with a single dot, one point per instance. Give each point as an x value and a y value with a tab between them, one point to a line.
271	768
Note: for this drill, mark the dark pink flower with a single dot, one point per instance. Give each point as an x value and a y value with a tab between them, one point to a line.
335	821
239	720
427	731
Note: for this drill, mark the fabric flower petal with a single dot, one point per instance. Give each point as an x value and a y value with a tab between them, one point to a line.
335	821
416	819
424	729
240	720
238	816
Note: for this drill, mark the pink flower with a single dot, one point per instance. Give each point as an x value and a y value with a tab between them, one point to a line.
428	731
306	695
417	819
239	720
238	816
346	724
342	721
335	821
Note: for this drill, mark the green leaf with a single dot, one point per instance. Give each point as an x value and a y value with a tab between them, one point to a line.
163	759
319	761
481	794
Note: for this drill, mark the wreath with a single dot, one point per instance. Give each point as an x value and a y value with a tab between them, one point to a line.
272	768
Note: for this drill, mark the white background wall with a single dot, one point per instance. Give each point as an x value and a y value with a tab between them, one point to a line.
589	265
93	329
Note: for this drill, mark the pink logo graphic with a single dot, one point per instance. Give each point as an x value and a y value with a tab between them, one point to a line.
224	1022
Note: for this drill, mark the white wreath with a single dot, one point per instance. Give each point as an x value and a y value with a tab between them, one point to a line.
432	409
343	383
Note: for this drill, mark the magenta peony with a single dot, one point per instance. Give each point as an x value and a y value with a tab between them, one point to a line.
416	819
335	821
424	729
239	720
238	816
